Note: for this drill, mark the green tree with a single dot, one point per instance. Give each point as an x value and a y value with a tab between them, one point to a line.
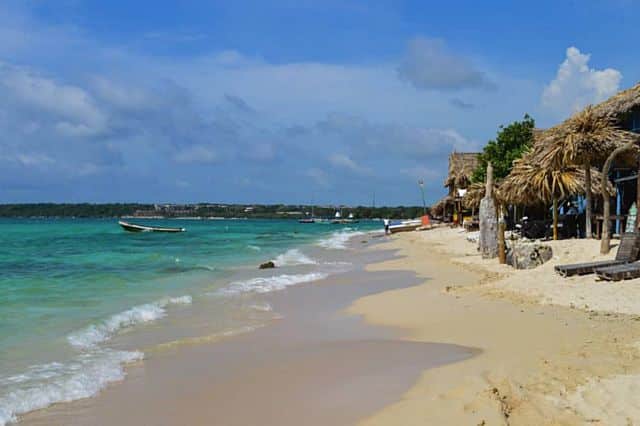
509	145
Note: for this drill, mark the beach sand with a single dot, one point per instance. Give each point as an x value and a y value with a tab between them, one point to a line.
554	351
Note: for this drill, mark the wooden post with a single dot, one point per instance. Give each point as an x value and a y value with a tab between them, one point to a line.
488	190
588	210
488	240
635	228
555	217
502	253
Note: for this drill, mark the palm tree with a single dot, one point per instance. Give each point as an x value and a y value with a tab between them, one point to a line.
534	181
586	139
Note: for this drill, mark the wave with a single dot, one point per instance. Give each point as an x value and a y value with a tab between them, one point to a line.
269	284
90	336
293	257
254	248
43	385
179	268
339	239
261	307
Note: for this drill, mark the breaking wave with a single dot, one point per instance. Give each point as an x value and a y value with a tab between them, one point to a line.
97	333
269	284
339	239
293	257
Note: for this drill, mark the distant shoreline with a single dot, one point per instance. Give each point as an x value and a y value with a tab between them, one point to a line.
204	211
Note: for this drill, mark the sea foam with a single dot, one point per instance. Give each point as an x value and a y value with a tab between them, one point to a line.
269	284
46	384
338	240
94	334
293	257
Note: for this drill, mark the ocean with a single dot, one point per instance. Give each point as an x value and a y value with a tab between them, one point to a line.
81	298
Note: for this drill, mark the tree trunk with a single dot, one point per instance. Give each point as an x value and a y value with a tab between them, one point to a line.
605	243
587	184
555	217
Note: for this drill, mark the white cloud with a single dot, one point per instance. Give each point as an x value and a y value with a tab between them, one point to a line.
421	172
319	176
33	159
72	107
345	162
429	64
197	154
576	85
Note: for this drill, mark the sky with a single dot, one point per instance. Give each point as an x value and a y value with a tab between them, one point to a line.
285	101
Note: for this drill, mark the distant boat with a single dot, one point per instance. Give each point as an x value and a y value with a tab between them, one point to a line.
405	225
352	219
339	220
311	219
131	227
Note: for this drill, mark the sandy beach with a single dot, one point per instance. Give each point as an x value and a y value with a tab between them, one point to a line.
424	332
554	350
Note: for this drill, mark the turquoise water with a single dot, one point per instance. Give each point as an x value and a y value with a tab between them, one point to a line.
69	286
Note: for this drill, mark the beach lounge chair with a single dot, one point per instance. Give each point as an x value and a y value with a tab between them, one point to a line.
627	253
627	271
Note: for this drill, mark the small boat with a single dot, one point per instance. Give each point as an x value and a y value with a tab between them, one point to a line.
131	227
311	219
337	219
405	225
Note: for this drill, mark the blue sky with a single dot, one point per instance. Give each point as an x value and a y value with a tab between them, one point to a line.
285	101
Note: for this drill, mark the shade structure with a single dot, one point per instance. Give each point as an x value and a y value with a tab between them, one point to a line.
534	182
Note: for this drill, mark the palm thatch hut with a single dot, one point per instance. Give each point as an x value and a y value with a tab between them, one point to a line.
462	165
585	139
562	157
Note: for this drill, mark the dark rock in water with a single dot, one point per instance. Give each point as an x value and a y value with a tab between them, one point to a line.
528	255
267	265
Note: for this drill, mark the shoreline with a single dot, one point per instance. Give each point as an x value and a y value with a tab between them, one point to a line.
196	305
544	360
315	360
422	331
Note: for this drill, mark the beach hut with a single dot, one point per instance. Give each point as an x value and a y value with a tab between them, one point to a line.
583	141
461	168
533	181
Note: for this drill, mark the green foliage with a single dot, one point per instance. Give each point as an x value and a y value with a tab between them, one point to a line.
273	211
509	145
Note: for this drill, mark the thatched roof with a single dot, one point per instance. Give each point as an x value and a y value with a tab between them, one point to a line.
438	208
552	167
475	194
620	103
461	168
530	182
585	135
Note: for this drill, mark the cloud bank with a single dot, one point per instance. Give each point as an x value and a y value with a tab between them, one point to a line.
429	64
576	84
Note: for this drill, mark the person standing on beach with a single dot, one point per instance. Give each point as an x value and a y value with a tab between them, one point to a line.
386	227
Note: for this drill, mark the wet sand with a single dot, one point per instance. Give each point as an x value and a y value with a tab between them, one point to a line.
316	366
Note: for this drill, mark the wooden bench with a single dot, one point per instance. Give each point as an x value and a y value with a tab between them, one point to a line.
627	252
